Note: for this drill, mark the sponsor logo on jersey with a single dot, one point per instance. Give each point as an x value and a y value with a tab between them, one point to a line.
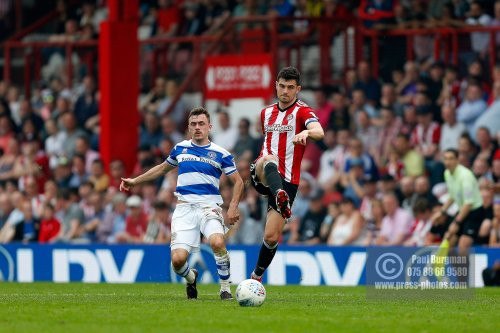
278	128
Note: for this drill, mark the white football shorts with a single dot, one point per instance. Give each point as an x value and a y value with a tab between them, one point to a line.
189	219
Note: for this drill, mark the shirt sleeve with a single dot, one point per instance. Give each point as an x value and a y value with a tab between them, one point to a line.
228	165
306	116
172	157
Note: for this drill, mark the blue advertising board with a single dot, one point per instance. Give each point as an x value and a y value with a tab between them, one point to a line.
311	265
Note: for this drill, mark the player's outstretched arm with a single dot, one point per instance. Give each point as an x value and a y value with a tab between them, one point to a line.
314	131
233	213
151	174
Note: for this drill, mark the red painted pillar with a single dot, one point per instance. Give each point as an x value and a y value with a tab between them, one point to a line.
119	83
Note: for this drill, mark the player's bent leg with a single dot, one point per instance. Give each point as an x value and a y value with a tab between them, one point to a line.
272	233
261	163
181	267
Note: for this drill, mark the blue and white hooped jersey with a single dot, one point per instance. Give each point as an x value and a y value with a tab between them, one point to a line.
200	169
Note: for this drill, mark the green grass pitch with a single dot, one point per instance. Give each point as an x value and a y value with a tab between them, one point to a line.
46	307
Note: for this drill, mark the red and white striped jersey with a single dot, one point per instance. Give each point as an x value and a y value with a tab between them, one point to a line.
425	137
279	128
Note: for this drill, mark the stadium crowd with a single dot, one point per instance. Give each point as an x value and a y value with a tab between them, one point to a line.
376	178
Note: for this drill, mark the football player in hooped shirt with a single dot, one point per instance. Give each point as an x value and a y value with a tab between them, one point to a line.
276	172
201	164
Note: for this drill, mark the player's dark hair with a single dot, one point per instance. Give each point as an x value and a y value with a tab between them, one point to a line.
288	74
199	110
453	151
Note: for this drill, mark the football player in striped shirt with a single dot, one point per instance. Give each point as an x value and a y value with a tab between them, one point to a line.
286	125
201	164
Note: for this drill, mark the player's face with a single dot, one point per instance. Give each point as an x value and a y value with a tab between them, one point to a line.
287	90
199	127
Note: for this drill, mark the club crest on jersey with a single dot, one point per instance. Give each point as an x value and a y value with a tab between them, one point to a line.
184	151
212	155
290	117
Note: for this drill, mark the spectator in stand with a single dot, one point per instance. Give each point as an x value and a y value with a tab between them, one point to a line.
451	130
369	194
136	222
79	174
246	146
328	222
98	177
425	138
390	128
82	147
113	223
226	134
6	132
117	172
323	107
407	87
389	99
87	232
367	133
339	117
86	106
150	133
412	160
49	226
356	151
422	224
158	230
334	8
332	161
178	113
157	93
63	173
359	103
489	118
496	23
374	224
169	17
477	17
376	13
71	133
53	142
367	83
6	209
486	144
353	180
8	160
407	188
480	168
308	232
472	106
494	240
348	226
216	14
396	225
70	215
467	150
170	129
450	94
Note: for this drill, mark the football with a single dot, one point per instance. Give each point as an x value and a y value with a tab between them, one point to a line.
250	293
